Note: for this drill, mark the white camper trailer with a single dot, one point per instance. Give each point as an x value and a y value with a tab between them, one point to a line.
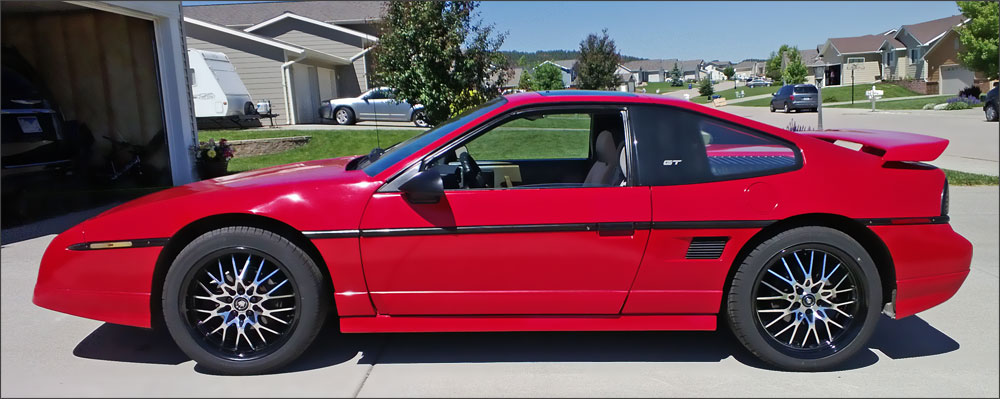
218	92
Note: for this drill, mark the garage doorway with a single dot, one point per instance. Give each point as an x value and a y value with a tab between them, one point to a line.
954	78
97	135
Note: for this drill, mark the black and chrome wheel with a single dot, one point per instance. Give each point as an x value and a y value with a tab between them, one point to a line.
787	109
420	119
344	116
772	107
241	300
807	299
991	112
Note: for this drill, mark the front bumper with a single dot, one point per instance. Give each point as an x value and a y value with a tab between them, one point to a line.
111	285
931	262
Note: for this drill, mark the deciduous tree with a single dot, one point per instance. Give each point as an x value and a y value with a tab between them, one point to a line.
547	77
440	55
979	37
729	72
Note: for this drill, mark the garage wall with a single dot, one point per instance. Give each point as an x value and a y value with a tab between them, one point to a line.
100	68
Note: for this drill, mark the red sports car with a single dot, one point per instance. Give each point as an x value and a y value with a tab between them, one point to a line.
561	210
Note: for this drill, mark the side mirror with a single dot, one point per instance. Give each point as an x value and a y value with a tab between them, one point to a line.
425	187
774	94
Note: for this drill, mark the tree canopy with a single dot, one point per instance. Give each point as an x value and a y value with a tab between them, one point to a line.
979	36
786	64
439	55
599	59
547	77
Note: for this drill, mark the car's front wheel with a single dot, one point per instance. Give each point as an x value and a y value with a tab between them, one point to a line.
772	107
787	109
241	300
805	300
991	113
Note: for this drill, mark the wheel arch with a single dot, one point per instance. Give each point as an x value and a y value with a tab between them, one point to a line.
193	230
871	242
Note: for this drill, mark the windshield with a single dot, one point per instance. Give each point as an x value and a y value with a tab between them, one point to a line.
409	146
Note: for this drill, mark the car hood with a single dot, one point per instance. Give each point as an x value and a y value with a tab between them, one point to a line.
308	195
345	101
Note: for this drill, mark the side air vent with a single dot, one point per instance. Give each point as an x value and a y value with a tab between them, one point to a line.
706	247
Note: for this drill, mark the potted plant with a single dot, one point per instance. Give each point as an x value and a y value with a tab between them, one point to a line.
213	158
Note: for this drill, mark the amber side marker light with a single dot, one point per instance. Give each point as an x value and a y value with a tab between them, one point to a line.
108	245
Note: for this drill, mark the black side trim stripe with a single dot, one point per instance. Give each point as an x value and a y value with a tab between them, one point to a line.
713	224
904	221
331	234
523	228
138	243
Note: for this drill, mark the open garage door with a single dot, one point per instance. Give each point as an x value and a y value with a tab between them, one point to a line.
954	78
84	124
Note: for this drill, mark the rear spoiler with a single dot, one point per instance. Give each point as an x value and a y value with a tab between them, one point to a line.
891	146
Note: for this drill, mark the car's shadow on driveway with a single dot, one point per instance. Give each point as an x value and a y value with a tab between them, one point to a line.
897	339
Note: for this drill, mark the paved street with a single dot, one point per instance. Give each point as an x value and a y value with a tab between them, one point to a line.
974	143
950	350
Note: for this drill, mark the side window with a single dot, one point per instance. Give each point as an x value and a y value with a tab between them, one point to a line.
376	95
683	147
539	150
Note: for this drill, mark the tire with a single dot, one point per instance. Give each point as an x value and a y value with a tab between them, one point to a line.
991	113
294	313
344	116
787	110
772	107
420	119
749	307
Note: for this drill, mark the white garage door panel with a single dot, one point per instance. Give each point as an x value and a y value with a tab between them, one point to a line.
654	77
954	78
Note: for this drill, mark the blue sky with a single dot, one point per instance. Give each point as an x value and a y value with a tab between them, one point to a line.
724	30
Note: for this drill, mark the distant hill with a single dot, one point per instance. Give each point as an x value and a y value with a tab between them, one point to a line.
524	58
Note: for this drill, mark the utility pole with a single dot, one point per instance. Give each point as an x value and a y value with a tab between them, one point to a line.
819	99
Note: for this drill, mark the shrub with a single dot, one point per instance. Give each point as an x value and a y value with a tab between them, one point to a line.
957	105
971	91
970	101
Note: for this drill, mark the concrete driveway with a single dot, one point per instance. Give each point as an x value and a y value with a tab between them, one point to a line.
951	350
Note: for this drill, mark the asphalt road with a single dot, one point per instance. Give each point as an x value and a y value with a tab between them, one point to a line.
951	350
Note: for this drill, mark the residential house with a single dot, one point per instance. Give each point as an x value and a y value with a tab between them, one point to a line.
852	60
749	68
810	58
692	69
626	79
569	72
944	69
903	56
714	69
658	70
294	54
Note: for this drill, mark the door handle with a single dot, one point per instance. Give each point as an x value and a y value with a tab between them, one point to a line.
616	229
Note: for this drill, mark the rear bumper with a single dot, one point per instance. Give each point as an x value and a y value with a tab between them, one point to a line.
931	262
111	285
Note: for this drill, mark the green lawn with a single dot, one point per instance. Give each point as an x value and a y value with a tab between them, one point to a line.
913	103
731	93
958	178
664	87
835	94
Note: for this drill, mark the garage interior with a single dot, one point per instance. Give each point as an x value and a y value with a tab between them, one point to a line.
99	71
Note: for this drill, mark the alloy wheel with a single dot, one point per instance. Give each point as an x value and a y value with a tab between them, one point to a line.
240	304
341	116
808	299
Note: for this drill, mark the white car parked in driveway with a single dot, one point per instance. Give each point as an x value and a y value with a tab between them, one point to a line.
378	104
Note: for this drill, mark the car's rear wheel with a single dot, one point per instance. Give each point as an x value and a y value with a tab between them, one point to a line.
344	116
420	119
806	299
241	300
787	109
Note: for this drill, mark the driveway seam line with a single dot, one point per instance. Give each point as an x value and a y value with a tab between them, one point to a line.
371	367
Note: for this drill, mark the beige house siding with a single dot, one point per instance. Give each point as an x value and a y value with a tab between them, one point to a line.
872	68
328	41
259	66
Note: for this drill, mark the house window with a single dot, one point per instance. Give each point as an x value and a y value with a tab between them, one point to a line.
914	54
853	60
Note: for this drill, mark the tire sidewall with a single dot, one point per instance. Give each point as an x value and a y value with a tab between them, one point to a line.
741	315
298	267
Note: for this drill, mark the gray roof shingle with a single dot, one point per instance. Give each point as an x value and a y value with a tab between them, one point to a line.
245	14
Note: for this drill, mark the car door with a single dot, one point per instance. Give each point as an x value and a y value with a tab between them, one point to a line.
385	106
364	107
396	109
713	185
556	249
